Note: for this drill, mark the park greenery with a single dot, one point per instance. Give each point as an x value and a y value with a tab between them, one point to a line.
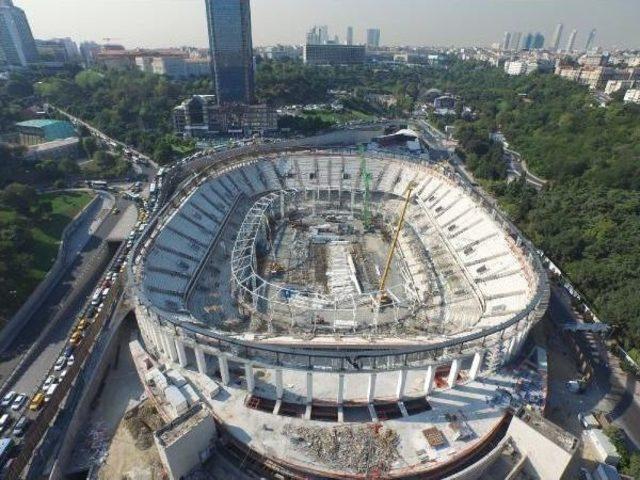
587	219
31	227
128	105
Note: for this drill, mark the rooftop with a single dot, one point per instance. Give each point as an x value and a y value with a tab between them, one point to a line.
41	123
184	423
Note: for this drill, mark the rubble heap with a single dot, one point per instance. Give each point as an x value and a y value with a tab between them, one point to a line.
359	448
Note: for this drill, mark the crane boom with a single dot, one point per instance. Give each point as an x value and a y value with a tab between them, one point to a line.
387	267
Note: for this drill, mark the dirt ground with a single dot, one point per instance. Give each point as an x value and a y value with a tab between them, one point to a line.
126	461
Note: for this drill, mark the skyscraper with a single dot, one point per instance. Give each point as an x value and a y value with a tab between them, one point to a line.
17	47
515	41
528	41
373	37
538	41
349	35
231	48
557	35
572	40
592	37
506	39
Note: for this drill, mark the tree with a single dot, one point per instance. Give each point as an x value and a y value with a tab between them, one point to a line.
104	160
19	197
89	145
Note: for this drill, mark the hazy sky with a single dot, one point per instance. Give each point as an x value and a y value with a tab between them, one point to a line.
165	23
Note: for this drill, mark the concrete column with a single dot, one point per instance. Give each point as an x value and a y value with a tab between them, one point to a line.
201	361
429	378
402	381
224	369
475	365
511	349
453	373
157	339
248	374
171	345
279	385
340	388
371	392
309	387
182	354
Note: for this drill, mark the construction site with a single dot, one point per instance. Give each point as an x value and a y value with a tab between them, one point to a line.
340	313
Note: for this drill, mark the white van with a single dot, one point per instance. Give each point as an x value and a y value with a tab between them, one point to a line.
50	391
95	300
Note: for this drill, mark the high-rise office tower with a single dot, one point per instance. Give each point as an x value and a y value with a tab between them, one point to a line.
557	35
572	40
538	41
592	37
349	35
323	34
231	48
17	47
373	37
528	41
506	39
515	41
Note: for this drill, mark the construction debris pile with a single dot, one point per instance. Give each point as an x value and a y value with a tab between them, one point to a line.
358	448
141	422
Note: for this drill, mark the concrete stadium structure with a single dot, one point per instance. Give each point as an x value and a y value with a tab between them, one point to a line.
261	274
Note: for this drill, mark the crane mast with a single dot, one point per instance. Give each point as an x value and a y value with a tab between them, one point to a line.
382	294
366	199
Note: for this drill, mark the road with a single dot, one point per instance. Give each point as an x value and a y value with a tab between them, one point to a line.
102	136
519	167
89	254
612	391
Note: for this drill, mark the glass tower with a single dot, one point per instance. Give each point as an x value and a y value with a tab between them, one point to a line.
231	50
17	46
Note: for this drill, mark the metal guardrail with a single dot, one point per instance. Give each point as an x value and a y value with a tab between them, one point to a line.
358	359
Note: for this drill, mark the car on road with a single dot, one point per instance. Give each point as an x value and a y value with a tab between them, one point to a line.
20	426
48	382
5	421
63	373
68	351
76	338
8	398
50	391
70	360
18	402
36	401
61	362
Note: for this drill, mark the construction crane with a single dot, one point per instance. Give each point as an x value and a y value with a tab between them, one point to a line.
366	200
383	296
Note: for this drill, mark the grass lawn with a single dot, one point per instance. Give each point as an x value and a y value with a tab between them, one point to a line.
47	233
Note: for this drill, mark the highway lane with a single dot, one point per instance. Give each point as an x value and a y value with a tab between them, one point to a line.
60	308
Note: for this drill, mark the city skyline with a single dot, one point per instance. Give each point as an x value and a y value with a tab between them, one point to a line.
168	23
